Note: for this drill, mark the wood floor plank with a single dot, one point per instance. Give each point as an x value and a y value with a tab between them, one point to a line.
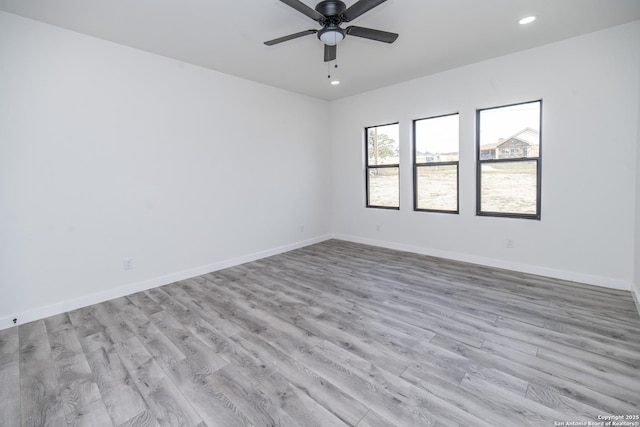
232	381
76	386
592	397
116	328
163	398
94	414
517	409
145	303
64	344
10	394
197	297
349	339
86	323
501	379
297	404
289	335
58	322
391	396
144	419
464	400
568	372
342	405
594	365
123	403
39	397
569	407
196	353
158	344
107	370
169	406
8	345
34	343
373	419
209	401
336	333
95	342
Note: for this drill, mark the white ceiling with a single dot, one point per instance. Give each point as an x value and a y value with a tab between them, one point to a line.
228	36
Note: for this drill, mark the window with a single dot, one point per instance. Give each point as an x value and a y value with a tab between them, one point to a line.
383	166
509	160
436	155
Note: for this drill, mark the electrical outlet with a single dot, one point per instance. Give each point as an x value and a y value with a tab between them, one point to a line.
378	227
127	263
509	243
302	228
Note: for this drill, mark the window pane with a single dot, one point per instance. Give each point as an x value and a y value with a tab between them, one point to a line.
384	187
382	145
437	188
510	132
437	139
509	187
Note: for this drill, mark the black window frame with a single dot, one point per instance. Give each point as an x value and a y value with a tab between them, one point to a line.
417	165
537	160
368	168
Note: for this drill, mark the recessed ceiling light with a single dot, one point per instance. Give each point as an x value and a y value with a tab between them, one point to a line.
527	20
335	82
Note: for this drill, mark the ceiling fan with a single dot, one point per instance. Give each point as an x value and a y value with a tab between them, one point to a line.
330	14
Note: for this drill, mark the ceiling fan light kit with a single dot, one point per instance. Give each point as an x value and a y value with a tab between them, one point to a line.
331	35
330	14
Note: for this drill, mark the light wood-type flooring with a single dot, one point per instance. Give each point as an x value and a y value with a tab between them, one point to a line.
329	335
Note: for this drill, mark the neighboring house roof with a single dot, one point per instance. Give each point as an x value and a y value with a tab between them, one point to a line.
528	135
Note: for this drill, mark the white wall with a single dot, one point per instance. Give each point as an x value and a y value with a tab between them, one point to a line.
590	91
108	152
636	257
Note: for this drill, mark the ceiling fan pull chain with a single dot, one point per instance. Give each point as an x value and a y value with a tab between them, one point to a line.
328	71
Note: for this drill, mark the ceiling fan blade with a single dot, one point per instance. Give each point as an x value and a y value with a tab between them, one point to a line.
290	37
360	7
303	8
370	33
329	53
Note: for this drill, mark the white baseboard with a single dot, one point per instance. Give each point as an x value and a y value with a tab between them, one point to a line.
636	297
128	289
572	276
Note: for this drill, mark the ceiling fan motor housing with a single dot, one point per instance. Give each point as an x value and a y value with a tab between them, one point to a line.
331	8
